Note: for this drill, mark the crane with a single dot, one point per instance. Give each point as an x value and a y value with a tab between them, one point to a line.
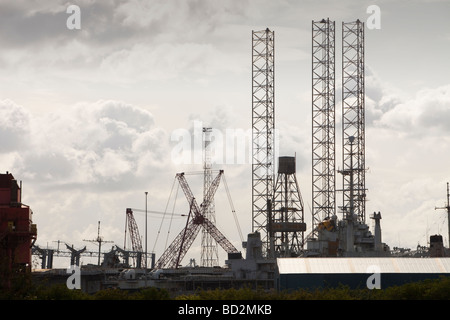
136	243
175	253
132	227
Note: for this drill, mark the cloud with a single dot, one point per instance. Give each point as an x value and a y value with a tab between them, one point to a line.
99	143
165	61
14	126
190	17
407	147
21	27
114	24
428	113
121	43
39	23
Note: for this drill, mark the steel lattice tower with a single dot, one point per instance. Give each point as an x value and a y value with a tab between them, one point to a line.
353	120
209	249
263	126
323	122
286	219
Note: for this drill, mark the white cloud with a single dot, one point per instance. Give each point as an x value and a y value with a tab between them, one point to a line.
14	126
407	150
428	113
92	142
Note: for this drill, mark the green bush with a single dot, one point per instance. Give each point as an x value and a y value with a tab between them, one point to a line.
151	294
59	292
111	294
432	289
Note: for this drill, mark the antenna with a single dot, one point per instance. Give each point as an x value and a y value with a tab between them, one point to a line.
447	207
99	240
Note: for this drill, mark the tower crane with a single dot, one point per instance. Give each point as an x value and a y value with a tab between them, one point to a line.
175	253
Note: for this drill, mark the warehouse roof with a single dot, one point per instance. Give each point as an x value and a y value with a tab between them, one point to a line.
363	265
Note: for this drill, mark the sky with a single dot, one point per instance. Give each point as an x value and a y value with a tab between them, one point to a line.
93	117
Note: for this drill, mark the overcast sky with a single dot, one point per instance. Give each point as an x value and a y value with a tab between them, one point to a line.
88	116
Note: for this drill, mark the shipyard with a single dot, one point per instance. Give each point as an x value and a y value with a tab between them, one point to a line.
278	207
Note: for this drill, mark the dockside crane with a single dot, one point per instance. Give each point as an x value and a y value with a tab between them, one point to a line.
174	254
136	243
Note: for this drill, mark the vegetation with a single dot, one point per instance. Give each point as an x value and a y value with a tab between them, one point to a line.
437	289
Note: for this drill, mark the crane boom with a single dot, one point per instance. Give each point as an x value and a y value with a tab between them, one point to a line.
209	195
134	231
187	191
173	255
219	237
176	251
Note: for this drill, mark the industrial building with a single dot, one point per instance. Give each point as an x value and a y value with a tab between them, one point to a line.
380	273
17	231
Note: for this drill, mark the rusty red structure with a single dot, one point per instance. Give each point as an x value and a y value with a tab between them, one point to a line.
17	231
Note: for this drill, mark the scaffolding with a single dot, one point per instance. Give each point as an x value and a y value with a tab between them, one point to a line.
353	121
263	126
323	123
209	249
